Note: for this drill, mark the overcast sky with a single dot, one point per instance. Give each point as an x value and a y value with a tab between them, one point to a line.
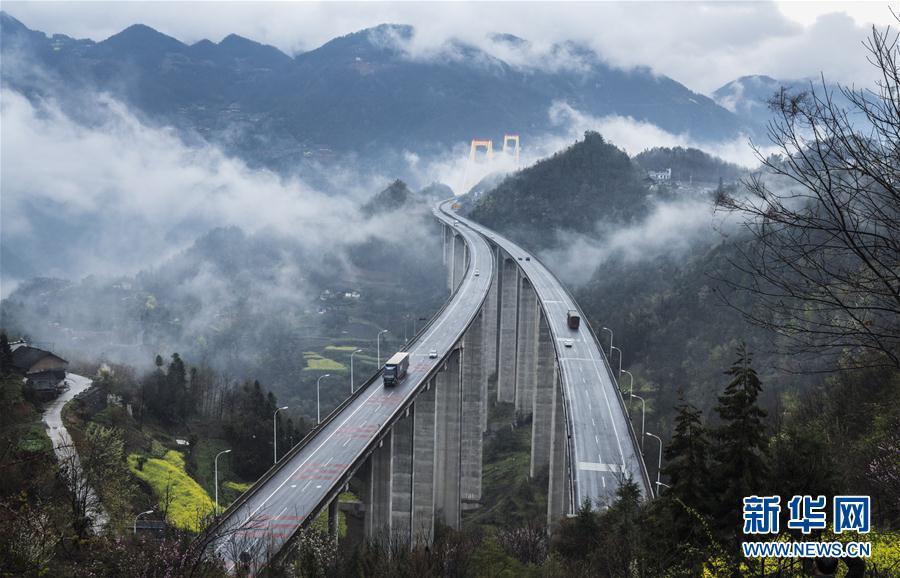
701	44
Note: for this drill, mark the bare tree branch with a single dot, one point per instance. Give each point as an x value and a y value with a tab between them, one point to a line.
824	263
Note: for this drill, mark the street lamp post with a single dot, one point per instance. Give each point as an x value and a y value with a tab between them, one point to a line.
318	407
378	345
630	381
275	434
610	339
659	462
614	348
643	415
134	527
351	369
216	476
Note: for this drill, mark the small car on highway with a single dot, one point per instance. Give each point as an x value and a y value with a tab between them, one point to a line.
432	354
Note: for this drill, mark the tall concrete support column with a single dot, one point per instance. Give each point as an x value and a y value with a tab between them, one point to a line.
545	390
526	348
423	466
558	489
447	442
402	479
445	246
459	260
378	515
333	519
491	326
451	258
473	410
509	305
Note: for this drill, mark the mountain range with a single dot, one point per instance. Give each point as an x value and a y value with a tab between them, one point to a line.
748	97
364	93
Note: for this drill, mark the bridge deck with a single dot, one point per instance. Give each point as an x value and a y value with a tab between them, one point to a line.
603	447
274	508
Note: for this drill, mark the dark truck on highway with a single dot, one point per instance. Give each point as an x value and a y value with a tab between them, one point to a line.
395	368
573	319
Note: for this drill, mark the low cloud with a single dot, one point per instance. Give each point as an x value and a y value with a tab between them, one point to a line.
670	229
118	195
635	136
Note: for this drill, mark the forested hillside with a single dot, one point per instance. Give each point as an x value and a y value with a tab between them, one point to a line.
688	164
589	183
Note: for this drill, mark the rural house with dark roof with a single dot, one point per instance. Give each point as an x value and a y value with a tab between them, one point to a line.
44	372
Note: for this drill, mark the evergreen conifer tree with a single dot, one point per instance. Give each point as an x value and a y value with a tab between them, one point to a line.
741	441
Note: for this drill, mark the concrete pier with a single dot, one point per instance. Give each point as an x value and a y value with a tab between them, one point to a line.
449	248
473	412
491	329
459	260
447	442
526	348
509	305
558	488
402	478
378	515
423	466
545	390
333	519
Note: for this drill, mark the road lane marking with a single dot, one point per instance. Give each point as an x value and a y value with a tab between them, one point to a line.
601	467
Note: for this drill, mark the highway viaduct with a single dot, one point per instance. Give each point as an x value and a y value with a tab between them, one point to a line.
413	453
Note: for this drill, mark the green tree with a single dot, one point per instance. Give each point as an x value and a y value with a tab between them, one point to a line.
741	444
687	458
687	466
6	359
248	429
176	389
104	463
577	536
620	550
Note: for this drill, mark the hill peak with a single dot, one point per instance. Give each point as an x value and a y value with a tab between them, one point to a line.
141	36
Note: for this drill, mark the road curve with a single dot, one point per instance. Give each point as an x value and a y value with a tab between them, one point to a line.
602	441
64	447
291	494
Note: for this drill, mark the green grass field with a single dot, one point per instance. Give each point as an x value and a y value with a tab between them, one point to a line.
341	348
189	502
316	362
238	487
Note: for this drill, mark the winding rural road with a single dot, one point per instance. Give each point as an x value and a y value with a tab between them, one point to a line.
64	447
